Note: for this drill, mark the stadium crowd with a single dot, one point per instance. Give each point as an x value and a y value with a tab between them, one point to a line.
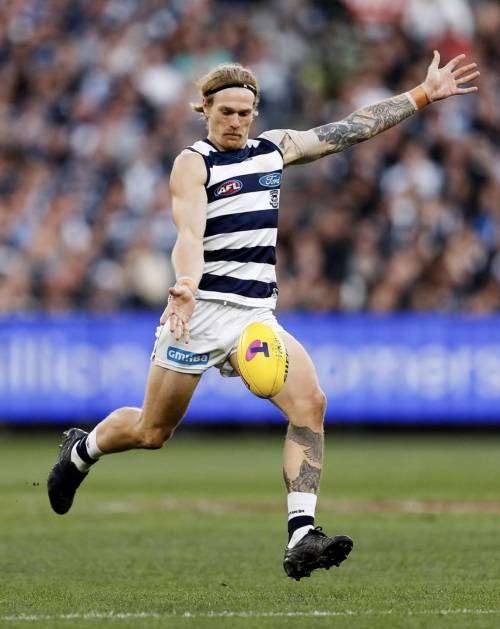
94	107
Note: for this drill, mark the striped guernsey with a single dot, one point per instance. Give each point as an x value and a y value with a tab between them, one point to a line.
243	189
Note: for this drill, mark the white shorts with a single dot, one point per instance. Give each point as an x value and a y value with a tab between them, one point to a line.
215	328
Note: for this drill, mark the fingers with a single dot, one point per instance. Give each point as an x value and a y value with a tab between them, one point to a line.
179	328
451	65
166	313
466	90
460	79
185	332
176	326
173	322
466	79
459	71
436	59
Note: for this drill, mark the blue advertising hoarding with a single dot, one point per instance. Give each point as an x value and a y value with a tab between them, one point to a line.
373	369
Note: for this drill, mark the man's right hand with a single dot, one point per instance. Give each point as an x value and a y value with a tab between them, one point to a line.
181	303
446	81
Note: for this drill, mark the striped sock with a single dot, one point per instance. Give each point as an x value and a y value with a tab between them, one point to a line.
301	509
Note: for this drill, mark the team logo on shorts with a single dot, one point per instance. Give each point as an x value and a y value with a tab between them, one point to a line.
183	357
272	180
255	347
227	188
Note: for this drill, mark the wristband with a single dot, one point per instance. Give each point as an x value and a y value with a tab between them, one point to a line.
418	97
185	280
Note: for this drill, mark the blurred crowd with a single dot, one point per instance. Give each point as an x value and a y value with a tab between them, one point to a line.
94	107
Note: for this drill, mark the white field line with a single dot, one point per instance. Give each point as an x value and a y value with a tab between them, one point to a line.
333	506
245	614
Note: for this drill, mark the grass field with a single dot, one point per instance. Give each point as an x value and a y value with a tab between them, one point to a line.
193	536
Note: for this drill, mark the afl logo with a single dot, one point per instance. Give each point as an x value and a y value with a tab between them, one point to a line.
272	180
228	188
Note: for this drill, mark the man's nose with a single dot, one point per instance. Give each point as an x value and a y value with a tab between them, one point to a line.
235	121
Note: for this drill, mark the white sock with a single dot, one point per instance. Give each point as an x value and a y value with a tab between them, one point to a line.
78	462
299	534
300	504
92	450
92	447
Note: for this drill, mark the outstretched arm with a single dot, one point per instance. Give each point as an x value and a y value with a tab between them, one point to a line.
306	146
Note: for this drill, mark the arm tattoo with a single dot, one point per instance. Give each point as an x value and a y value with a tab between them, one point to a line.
313	441
307	480
364	123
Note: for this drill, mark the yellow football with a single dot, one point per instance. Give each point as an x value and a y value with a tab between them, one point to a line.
262	360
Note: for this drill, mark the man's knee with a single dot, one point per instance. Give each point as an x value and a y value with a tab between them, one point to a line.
152	437
318	403
310	409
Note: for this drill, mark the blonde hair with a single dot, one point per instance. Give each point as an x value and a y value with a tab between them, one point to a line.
225	74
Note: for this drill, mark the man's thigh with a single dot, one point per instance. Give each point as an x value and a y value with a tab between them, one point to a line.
168	394
302	381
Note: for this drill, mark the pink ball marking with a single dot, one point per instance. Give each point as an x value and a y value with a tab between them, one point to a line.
253	345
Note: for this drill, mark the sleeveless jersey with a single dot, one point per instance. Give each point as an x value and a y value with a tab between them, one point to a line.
243	190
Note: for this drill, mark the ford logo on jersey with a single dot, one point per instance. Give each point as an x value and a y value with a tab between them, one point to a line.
227	188
272	180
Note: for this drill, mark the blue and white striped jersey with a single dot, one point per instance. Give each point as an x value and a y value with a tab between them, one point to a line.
243	190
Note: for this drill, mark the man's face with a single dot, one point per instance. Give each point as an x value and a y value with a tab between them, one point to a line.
229	118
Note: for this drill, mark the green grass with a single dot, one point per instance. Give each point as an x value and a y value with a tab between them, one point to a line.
142	537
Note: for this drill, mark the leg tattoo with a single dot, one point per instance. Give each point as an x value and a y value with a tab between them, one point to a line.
307	480
312	441
312	452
